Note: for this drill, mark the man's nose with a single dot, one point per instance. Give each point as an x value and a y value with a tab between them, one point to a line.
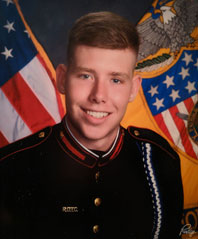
98	92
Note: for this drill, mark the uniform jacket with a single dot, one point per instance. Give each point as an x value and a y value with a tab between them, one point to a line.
53	187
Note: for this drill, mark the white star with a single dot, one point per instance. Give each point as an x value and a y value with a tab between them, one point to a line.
7	53
184	73
190	87
187	58
169	81
159	103
8	2
174	95
9	26
26	31
153	90
196	64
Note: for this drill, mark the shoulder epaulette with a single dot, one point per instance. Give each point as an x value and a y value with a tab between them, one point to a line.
147	135
25	143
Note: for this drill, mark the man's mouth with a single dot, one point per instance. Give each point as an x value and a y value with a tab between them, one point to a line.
97	115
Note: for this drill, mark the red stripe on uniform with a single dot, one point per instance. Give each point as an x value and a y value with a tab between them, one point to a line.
72	149
183	132
160	121
59	101
22	99
118	148
3	140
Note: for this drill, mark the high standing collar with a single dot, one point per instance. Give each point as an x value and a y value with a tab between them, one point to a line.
81	154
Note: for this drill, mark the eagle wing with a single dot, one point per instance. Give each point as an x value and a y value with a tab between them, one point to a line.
187	11
152	37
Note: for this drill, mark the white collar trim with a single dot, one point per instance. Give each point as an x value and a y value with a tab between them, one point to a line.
88	150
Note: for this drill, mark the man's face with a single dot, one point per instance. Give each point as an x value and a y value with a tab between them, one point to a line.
98	85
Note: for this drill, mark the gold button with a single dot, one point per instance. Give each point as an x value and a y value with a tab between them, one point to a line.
96	229
136	132
97	201
41	134
61	134
97	175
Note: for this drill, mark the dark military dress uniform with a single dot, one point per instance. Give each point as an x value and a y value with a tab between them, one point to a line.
53	187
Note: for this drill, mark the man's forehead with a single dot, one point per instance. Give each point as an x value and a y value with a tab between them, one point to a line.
117	61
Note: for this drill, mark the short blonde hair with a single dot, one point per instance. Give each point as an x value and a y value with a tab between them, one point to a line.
104	30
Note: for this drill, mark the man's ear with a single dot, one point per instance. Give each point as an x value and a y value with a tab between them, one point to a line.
61	77
136	83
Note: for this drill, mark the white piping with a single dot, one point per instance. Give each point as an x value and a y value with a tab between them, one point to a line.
88	150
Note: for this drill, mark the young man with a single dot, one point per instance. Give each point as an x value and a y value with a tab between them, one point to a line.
88	177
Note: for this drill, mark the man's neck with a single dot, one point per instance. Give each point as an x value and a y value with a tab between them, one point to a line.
94	145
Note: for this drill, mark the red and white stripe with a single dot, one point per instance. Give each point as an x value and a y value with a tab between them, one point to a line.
176	128
29	102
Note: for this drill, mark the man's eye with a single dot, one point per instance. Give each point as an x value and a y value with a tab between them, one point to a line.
117	81
85	76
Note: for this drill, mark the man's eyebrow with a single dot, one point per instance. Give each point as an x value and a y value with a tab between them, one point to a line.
121	74
79	69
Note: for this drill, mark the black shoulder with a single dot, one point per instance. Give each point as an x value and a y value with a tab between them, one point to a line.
25	143
147	135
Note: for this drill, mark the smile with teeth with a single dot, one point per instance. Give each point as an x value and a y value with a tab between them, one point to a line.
97	115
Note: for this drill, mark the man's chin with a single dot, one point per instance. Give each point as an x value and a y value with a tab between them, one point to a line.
98	137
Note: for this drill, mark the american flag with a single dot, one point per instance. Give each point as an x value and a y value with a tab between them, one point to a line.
29	100
171	97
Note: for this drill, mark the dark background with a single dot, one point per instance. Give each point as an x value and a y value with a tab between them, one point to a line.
50	20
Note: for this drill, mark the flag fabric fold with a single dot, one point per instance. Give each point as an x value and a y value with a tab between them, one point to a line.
29	100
